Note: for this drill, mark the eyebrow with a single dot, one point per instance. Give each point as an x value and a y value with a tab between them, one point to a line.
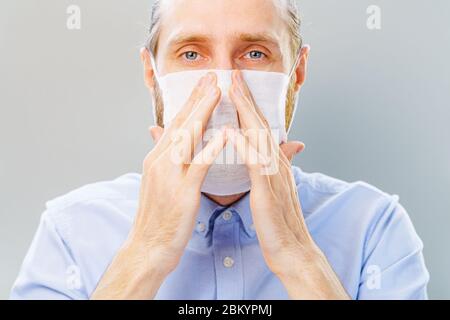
189	38
258	37
246	37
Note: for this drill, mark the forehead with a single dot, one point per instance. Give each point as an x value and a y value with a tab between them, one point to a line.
219	19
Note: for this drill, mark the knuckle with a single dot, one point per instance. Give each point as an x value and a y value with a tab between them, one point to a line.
149	163
177	121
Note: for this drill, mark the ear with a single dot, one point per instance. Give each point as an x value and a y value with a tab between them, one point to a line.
148	69
156	132
300	69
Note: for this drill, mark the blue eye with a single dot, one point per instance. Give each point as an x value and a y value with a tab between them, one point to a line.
255	54
191	55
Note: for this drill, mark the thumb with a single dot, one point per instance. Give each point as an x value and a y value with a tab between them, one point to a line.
292	148
156	132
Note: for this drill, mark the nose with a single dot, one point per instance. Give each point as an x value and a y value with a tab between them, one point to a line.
223	59
225	63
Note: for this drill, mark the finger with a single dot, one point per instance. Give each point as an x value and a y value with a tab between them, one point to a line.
196	123
246	91
197	93
170	133
245	105
255	162
204	159
291	149
183	138
255	126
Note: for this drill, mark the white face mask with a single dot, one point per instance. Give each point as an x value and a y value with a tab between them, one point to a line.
228	175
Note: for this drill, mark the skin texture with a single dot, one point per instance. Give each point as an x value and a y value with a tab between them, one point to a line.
166	215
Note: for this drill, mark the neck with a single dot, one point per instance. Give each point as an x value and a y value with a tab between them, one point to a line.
225	201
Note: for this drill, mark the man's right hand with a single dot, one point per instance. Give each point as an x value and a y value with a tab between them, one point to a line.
169	200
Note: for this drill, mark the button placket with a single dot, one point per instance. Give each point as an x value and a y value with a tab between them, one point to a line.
227	215
227	261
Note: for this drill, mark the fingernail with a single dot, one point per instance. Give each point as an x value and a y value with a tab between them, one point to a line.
142	50
240	77
206	80
234	74
202	81
210	77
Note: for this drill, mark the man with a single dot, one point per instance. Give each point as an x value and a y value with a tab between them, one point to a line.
158	236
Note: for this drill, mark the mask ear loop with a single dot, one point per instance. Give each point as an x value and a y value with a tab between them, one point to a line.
153	63
294	67
155	72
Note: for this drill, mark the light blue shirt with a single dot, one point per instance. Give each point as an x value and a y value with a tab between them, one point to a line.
365	233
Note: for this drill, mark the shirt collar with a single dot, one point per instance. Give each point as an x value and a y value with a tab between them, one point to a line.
209	210
242	208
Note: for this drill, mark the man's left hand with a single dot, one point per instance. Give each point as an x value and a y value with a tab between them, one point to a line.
287	246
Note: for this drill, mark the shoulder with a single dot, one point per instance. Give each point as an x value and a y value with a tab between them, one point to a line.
84	229
96	217
97	206
317	189
125	187
357	206
361	228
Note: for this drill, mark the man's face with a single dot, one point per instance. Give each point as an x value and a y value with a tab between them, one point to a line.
224	34
218	34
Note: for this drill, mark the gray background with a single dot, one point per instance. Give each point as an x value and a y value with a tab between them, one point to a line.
74	109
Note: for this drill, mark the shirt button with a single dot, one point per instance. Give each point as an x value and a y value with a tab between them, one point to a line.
228	262
252	226
227	215
201	227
